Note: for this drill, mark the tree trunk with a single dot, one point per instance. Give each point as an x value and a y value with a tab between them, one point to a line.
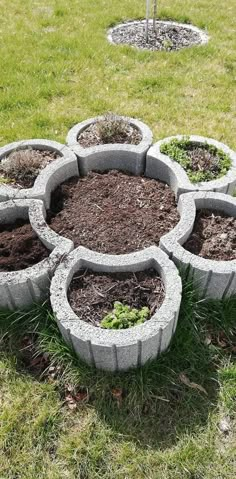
154	14
147	17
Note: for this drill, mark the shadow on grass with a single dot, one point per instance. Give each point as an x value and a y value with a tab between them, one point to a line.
155	405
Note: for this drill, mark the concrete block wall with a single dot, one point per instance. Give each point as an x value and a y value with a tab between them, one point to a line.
123	349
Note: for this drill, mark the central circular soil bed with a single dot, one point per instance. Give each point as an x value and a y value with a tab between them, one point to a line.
92	295
109	130
213	236
113	212
19	246
22	166
168	35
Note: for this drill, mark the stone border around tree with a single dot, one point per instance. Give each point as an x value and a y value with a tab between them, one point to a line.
53	174
118	156
22	288
111	349
162	167
214	279
204	37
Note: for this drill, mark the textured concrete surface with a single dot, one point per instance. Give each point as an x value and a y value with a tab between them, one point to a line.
120	156
214	279
162	167
19	289
109	349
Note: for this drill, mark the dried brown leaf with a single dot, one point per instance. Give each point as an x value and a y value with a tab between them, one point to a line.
185	380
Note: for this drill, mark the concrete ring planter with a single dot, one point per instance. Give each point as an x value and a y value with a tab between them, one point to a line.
162	167
117	350
21	288
118	156
203	36
214	279
57	171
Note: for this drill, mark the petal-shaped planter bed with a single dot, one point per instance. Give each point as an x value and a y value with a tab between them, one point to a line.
214	279
162	167
119	156
55	172
117	350
21	288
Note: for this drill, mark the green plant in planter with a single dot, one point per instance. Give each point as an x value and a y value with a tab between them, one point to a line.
182	151
5	181
123	317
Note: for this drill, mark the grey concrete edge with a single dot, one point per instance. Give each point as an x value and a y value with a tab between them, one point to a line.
122	156
161	166
19	289
214	279
204	37
40	189
117	350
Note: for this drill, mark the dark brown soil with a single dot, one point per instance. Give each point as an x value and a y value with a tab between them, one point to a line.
113	212
213	236
92	295
91	137
19	247
21	167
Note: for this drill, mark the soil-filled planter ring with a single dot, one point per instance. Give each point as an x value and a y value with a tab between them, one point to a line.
22	288
57	171
214	279
117	350
162	167
119	156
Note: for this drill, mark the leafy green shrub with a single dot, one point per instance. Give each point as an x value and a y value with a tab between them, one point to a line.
123	317
181	151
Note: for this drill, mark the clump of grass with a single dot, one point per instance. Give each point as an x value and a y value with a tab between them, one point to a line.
21	165
182	151
123	317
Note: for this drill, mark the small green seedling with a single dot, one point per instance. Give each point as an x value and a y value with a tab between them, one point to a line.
5	181
123	317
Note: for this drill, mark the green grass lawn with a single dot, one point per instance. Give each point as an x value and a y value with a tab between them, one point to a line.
57	68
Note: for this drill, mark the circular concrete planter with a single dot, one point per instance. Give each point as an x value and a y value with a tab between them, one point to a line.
22	288
214	279
118	156
111	349
203	36
54	173
162	167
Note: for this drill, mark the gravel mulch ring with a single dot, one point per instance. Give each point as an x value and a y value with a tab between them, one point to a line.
90	136
22	167
213	236
113	212
19	246
167	37
92	295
